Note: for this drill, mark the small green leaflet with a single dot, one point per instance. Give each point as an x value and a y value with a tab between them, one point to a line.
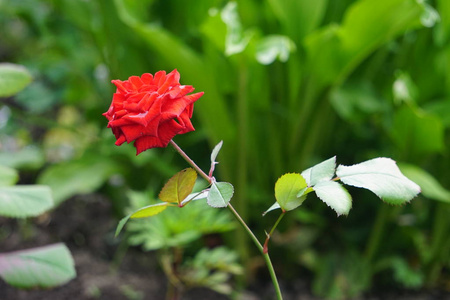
382	177
23	201
143	212
334	195
220	194
287	188
214	154
179	186
13	79
323	171
43	267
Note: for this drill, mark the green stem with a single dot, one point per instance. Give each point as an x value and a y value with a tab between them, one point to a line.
255	240
266	243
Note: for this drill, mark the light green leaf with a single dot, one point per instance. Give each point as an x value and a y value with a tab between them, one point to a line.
287	188
149	211
13	79
323	171
77	177
23	201
431	188
335	196
8	176
144	212
220	194
26	158
42	267
273	207
195	196
382	177
215	152
179	186
273	47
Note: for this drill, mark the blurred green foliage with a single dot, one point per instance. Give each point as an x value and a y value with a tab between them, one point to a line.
287	83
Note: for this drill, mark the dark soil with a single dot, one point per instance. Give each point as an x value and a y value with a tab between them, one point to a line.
105	271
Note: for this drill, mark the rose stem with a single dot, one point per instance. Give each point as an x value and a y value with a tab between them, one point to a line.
240	220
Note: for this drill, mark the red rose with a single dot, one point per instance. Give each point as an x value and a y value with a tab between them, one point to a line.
151	110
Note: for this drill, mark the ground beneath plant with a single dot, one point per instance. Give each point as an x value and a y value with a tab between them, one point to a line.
105	270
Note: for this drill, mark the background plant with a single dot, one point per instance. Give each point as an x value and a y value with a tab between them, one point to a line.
289	83
46	266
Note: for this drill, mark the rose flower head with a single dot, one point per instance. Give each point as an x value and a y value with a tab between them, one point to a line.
151	110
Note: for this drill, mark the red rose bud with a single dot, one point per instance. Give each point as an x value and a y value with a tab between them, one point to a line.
151	110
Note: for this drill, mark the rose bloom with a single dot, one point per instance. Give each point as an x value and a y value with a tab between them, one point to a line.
151	110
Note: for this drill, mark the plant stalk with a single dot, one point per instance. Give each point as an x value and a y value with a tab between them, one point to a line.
255	240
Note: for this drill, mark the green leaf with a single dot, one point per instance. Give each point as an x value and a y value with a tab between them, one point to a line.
13	79
220	194
236	39
195	196
26	158
417	133
42	267
287	188
121	224
25	200
382	177
273	207
144	212
77	177
8	176
335	196
215	152
149	211
179	186
320	172
334	51
273	47
431	188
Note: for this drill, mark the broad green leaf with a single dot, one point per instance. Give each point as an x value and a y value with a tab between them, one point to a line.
335	196
179	186
13	79
382	177
287	188
273	47
333	52
77	177
149	211
323	171
26	158
23	201
43	267
8	176
273	207
431	188
299	17
220	194
417	133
